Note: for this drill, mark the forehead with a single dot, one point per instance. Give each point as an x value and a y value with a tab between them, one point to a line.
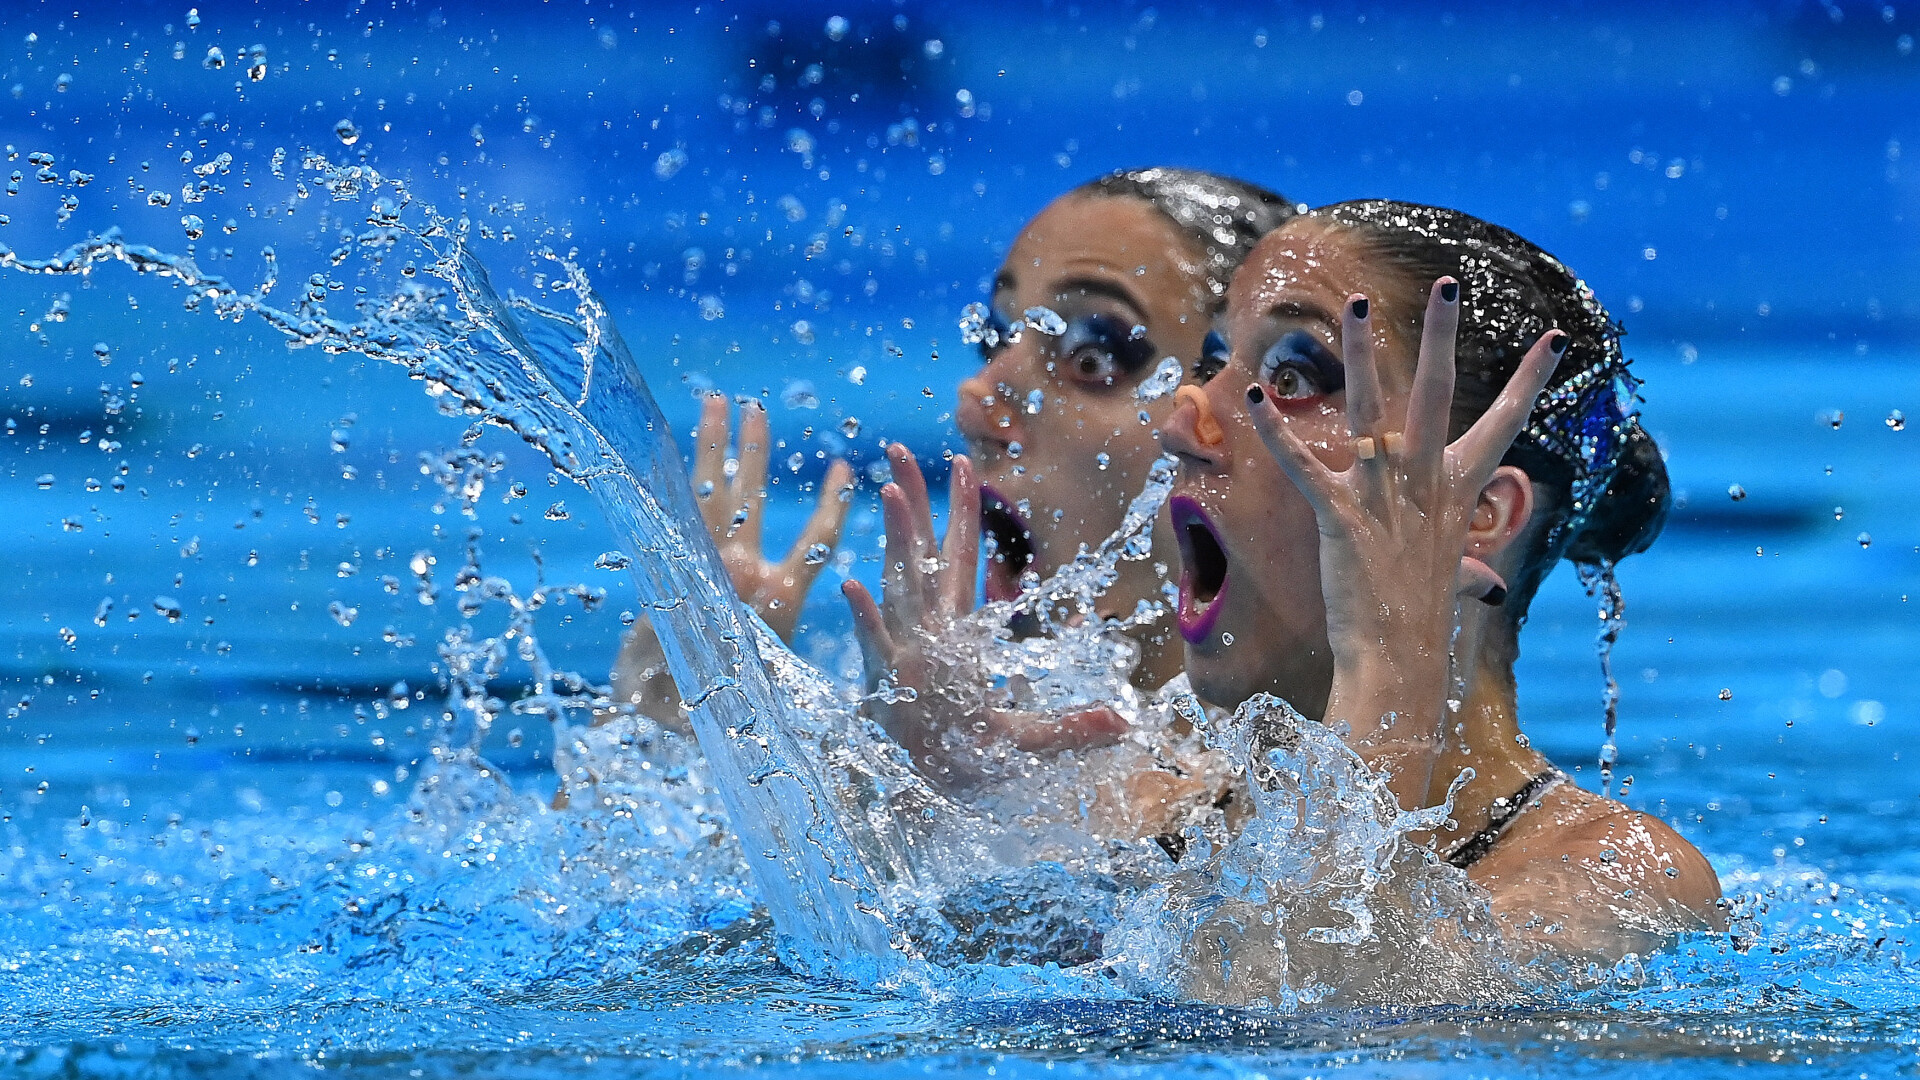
1115	236
1304	256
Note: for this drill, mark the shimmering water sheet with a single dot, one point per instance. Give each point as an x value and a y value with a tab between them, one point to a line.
569	386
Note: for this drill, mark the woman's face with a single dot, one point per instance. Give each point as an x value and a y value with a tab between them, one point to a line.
1061	440
1251	608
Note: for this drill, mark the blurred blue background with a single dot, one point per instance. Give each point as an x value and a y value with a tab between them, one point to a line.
795	201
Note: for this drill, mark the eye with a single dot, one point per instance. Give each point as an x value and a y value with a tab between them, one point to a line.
1213	358
1299	366
1102	350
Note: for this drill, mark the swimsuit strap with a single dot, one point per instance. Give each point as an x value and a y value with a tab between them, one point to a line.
1475	847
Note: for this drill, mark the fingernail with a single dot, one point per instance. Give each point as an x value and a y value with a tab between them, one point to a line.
1255	394
1495	596
1359	307
1450	291
1559	343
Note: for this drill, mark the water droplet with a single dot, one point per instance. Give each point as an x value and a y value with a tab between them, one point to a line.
1035	402
215	59
1736	492
817	554
347	132
1726	693
1102	460
400	696
1164	380
1046	320
195	227
1897	420
850	427
342	613
558	511
1864	540
1839	512
1226	638
167	606
1014	450
837	27
44	481
669	163
613	560
858	376
800	394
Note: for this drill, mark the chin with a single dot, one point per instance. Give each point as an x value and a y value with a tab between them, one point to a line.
1214	678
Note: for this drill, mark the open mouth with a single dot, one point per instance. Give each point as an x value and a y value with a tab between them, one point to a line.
1203	568
1008	544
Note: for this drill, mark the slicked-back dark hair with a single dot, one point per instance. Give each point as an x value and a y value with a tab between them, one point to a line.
1223	216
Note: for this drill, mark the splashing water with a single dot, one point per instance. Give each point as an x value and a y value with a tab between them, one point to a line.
505	361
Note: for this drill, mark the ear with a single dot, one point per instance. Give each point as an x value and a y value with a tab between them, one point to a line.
1500	517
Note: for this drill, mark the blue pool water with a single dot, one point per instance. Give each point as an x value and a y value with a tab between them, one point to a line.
228	868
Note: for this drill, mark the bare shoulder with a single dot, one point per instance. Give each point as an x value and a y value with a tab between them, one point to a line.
1588	876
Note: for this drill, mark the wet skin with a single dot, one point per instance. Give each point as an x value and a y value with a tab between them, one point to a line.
1575	874
1106	265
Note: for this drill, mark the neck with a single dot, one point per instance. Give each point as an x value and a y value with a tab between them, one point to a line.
1484	735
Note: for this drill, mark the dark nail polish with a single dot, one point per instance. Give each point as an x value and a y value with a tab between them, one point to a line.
1450	291
1360	308
1559	343
1495	596
1255	394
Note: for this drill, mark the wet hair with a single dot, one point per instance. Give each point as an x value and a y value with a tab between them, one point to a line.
1605	481
1224	217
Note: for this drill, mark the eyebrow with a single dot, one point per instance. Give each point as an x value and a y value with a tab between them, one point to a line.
1301	309
1089	285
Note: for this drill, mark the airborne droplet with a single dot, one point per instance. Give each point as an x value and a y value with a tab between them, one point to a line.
347	131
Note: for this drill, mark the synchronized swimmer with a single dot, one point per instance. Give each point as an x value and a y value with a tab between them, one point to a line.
1394	421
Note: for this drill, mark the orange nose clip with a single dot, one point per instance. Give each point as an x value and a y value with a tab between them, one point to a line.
1205	427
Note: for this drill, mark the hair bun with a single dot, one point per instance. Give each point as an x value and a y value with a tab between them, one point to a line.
1630	514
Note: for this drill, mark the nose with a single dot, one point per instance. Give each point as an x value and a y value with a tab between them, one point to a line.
986	414
1193	430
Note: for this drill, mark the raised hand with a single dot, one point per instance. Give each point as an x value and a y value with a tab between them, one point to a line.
735	511
1394	527
928	706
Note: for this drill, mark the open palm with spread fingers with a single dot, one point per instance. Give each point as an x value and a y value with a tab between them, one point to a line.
1395	524
931	708
734	508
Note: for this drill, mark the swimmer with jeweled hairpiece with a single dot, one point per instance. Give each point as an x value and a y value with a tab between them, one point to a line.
1375	480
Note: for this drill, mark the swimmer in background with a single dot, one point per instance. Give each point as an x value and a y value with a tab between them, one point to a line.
1137	265
1368	487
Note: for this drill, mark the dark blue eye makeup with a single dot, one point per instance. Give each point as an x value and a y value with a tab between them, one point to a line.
1103	349
1214	354
1300	365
